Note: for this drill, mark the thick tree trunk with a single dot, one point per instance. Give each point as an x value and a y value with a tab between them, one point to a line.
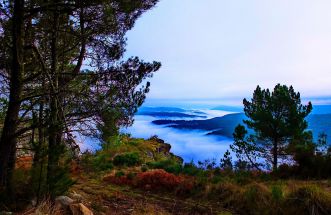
8	139
53	154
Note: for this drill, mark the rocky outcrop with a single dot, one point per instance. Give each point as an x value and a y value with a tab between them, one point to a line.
165	148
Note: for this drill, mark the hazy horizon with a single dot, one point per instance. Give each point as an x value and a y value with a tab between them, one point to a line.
210	103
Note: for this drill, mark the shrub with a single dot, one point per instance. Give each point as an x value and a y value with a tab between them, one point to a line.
308	199
144	168
277	193
127	159
257	200
168	165
158	180
243	177
131	175
191	169
119	179
101	162
119	174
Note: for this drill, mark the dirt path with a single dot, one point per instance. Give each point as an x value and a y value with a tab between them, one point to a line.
106	199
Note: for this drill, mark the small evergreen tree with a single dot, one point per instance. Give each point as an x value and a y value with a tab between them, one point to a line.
277	119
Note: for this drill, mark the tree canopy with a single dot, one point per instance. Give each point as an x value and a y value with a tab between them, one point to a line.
277	119
63	73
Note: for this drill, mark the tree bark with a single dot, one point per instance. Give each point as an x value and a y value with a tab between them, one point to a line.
54	108
8	140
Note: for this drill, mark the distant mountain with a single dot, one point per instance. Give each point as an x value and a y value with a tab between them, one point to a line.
238	109
321	109
170	114
225	125
319	123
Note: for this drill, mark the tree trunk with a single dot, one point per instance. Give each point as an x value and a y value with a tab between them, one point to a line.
8	138
53	155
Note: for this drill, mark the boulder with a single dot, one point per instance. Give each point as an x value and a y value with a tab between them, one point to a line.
80	209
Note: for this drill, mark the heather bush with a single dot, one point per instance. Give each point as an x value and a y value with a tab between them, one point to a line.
158	179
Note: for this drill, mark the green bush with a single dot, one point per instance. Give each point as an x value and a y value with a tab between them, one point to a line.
102	162
191	169
127	159
144	168
168	165
119	174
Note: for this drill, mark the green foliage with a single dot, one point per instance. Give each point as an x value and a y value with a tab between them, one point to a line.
191	169
277	118
277	193
226	161
144	168
3	109
168	165
119	174
102	162
127	159
208	164
246	149
61	182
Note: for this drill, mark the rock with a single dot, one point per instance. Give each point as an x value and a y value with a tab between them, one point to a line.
63	202
150	154
164	148
156	139
80	209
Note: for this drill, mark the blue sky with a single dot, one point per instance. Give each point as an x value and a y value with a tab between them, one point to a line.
221	49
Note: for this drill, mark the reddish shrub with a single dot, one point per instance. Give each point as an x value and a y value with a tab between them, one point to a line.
186	186
159	180
118	180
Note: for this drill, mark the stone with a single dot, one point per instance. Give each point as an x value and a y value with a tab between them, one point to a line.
80	209
64	201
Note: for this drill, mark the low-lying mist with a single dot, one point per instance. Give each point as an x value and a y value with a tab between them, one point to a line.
189	144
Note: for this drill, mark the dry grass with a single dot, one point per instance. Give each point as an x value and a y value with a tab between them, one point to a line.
44	208
289	197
